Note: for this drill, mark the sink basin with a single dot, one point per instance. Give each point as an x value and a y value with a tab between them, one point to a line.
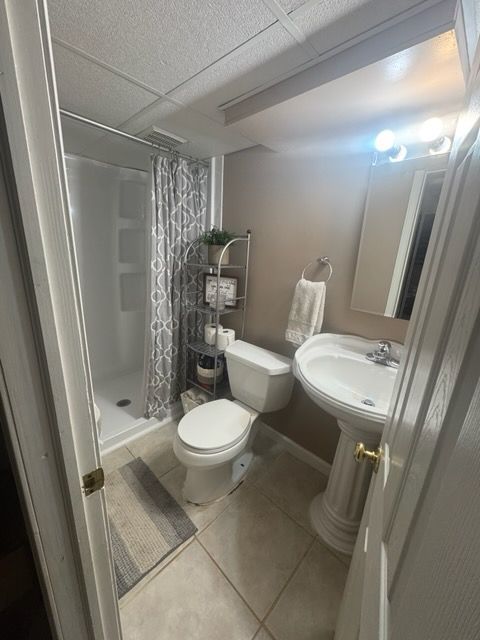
335	374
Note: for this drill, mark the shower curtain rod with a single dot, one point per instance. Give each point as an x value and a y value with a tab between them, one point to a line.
124	134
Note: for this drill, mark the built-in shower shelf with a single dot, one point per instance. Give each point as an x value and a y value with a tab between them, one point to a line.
204	348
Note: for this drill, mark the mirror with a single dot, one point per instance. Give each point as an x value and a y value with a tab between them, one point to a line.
399	211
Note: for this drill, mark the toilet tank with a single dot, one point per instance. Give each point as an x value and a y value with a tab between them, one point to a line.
261	379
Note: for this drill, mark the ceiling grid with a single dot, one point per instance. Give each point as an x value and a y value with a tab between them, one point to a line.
173	64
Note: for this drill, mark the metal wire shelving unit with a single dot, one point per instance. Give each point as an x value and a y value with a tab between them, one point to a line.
192	284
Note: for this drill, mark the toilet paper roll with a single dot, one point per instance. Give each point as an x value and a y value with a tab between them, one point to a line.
209	332
225	337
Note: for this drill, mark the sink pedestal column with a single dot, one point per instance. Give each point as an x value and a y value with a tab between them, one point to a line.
336	513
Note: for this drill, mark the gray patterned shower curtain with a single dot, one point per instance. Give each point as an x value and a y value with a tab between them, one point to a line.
178	217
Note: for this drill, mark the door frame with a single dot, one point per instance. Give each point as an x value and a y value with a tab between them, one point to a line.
43	342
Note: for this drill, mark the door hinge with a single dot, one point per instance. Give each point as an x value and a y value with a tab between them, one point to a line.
93	481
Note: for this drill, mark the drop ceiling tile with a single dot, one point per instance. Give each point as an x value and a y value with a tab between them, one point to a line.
264	59
330	23
159	42
290	5
94	92
205	147
205	137
152	114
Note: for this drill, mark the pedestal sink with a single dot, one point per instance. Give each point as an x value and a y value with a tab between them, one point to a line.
335	373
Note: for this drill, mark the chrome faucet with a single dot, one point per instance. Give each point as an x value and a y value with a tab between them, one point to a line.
383	355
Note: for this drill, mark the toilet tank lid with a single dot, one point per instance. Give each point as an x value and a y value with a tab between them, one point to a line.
260	359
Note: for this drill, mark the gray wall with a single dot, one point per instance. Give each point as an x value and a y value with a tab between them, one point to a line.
299	208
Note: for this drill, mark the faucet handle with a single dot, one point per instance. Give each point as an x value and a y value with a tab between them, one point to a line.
384	347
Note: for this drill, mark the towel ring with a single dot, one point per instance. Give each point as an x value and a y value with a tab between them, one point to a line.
324	260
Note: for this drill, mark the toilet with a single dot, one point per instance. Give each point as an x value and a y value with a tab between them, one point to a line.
214	440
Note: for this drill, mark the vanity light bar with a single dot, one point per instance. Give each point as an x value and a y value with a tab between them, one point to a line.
430	131
441	145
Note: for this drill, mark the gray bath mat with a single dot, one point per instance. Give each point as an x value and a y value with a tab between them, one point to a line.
146	523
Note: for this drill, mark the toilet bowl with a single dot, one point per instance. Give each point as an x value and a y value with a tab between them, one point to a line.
214	440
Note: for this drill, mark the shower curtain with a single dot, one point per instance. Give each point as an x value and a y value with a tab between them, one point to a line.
178	217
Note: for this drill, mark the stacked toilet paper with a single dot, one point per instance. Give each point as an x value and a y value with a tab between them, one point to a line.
209	332
225	336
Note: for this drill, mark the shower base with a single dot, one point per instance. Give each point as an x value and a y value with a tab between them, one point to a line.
122	420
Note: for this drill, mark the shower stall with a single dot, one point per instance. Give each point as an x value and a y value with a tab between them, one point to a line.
110	209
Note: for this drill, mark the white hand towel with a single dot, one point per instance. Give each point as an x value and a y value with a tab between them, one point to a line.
306	313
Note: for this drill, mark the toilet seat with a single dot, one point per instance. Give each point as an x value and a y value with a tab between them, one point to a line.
214	427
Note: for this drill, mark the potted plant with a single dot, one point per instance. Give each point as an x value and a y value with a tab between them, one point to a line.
216	239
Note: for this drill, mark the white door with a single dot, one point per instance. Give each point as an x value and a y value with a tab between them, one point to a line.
419	548
45	386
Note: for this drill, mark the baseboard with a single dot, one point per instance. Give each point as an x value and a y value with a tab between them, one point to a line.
297	450
139	428
143	426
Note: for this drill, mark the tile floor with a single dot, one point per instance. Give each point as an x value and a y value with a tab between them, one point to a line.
254	570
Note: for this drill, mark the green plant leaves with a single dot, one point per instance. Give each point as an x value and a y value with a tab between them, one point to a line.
216	236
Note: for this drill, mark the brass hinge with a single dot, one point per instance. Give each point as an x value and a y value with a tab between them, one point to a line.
93	481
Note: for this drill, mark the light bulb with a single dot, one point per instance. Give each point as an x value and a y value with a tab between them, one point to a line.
440	145
384	140
431	129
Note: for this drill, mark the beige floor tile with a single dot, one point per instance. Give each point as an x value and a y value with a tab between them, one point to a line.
265	451
263	635
200	516
151	575
346	560
307	609
292	485
156	450
119	457
190	598
257	546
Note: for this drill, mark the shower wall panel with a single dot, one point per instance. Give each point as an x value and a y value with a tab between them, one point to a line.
109	207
